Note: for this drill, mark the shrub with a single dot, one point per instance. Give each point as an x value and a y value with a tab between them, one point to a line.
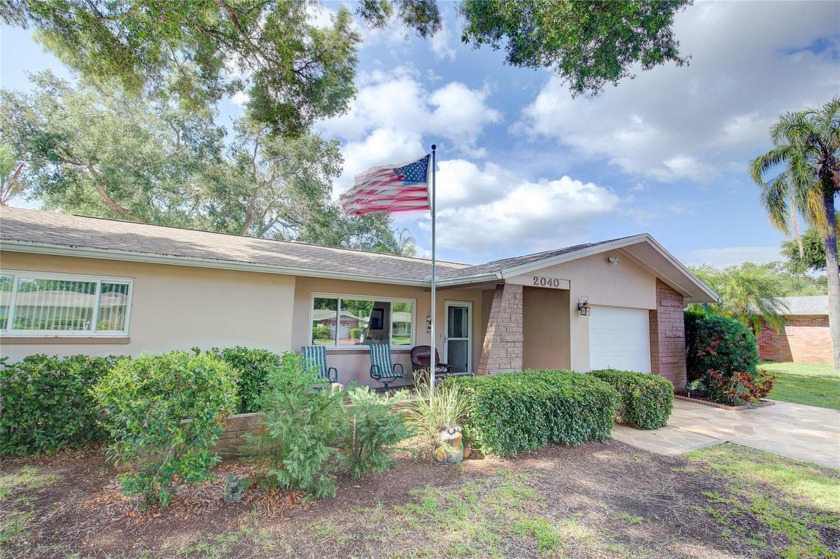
47	405
301	424
355	333
253	366
164	414
737	388
429	416
517	412
371	425
718	343
321	332
646	400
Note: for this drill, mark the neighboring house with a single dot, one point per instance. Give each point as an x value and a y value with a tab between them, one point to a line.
805	337
136	288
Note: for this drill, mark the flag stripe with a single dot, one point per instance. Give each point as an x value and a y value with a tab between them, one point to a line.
393	188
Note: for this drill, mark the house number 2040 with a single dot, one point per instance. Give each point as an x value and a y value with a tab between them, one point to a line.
541	281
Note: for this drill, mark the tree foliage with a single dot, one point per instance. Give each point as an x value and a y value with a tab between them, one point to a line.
807	149
295	72
748	293
97	150
590	44
813	250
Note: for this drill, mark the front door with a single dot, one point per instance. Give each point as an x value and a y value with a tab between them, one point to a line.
458	343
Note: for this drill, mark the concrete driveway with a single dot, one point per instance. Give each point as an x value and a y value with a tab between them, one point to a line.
792	430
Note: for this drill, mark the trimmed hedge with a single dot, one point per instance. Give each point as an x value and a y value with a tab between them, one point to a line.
718	343
47	405
646	399
517	412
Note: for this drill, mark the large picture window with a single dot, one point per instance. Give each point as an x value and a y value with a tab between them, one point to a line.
39	304
345	321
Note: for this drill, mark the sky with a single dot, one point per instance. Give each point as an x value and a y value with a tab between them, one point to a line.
523	166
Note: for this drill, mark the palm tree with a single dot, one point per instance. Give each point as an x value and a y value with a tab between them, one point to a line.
807	146
748	293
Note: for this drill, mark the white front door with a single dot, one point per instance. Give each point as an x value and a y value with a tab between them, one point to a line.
457	349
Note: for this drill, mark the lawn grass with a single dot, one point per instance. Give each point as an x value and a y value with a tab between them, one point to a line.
805	383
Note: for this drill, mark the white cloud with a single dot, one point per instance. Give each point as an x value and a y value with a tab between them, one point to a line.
441	44
694	122
240	98
483	210
730	256
392	113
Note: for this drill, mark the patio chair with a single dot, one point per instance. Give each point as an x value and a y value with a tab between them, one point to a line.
421	360
382	369
316	356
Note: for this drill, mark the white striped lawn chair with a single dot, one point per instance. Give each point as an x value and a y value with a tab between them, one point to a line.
315	356
382	369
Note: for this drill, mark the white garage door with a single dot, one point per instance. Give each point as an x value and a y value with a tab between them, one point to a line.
619	339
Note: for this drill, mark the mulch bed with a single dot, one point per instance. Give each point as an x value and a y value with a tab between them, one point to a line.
695	399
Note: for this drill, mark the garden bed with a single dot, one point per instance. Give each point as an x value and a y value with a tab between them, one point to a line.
704	402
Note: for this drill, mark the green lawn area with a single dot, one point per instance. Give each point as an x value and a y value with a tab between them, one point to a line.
805	383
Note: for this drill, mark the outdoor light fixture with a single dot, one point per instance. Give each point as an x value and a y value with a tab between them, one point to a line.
614	260
583	306
428	323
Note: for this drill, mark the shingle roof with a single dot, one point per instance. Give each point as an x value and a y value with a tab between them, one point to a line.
55	229
812	304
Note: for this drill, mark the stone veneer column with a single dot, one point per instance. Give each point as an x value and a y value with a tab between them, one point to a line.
503	339
667	336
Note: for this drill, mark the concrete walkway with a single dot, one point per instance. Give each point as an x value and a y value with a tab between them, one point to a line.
801	432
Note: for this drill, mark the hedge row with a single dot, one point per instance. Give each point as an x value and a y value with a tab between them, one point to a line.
46	402
646	400
517	412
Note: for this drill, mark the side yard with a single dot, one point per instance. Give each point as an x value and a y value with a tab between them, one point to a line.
805	383
599	500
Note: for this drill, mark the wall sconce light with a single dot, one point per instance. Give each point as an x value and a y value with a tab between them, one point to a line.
428	322
614	260
583	306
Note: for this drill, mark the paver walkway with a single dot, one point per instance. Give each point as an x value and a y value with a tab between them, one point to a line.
802	432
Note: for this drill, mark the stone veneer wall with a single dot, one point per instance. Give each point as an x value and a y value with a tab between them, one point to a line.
501	351
232	443
667	336
805	339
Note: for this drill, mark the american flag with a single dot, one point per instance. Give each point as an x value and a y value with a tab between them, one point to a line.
402	187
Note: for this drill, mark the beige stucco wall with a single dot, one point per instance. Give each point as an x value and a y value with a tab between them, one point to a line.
354	364
173	307
546	329
623	285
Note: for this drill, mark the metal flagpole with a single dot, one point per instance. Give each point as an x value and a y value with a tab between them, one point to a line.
432	360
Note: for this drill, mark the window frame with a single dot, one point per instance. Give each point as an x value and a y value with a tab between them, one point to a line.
17	275
374	298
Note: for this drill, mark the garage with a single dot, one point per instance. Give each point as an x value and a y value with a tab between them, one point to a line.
619	338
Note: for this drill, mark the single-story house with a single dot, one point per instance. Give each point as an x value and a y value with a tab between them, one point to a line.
805	337
135	288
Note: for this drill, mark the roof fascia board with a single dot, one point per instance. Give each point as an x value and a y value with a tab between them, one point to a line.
484	278
679	265
103	254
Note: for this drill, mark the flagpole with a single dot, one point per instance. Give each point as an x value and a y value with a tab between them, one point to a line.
432	360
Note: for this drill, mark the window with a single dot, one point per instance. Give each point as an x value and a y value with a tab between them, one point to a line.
350	321
39	304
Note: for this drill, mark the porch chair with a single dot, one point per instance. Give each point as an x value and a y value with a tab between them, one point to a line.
316	356
421	360
382	369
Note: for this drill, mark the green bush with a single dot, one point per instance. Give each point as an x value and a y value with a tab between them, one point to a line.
164	414
718	343
46	405
355	333
321	332
516	412
646	399
736	388
371	425
253	366
302	422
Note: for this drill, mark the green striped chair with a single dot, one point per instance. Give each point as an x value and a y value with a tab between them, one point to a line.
316	356
382	369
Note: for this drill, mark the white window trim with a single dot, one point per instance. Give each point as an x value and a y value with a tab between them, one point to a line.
362	298
16	275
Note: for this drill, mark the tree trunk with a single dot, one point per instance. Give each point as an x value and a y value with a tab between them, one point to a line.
833	272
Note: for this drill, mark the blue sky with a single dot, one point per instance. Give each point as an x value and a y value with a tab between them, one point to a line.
524	167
